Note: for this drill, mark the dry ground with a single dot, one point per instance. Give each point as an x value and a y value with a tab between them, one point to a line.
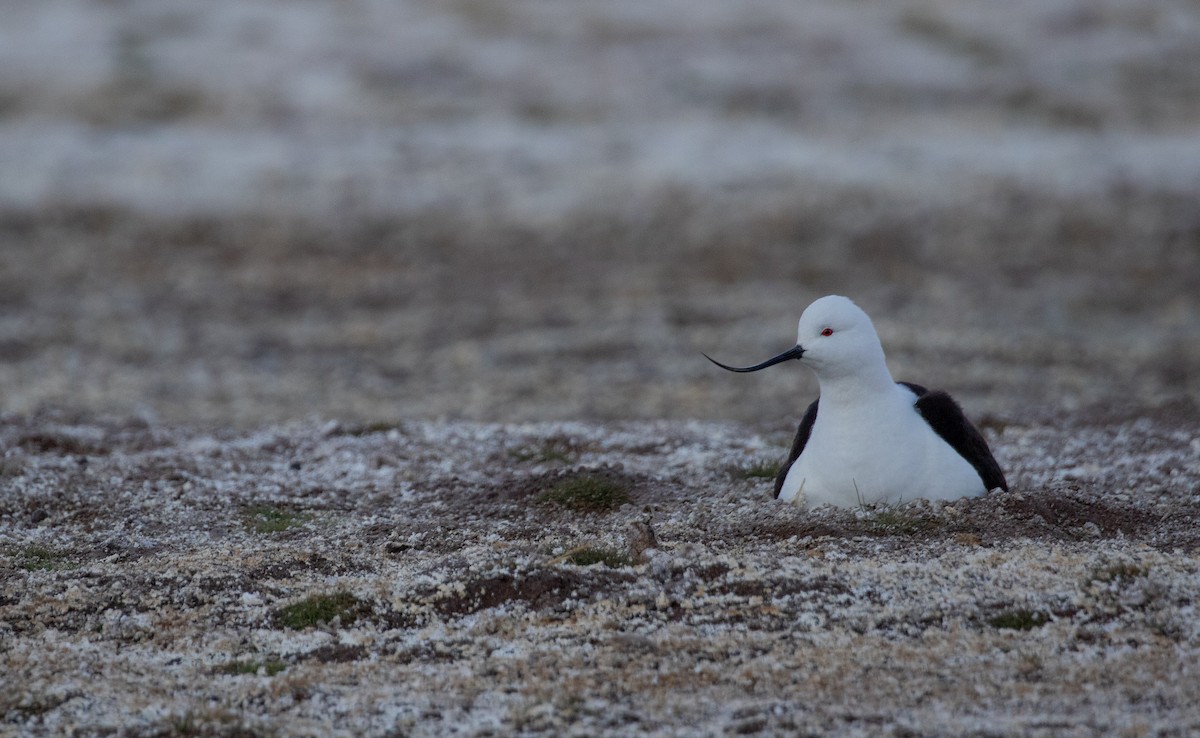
152	577
331	300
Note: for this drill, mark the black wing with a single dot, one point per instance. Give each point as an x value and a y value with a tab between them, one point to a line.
947	420
802	434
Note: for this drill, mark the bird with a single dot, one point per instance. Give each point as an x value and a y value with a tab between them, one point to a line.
868	439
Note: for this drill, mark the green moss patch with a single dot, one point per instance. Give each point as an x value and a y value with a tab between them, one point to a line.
899	523
267	519
43	558
587	556
587	493
320	610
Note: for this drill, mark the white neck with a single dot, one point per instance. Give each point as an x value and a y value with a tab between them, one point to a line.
864	384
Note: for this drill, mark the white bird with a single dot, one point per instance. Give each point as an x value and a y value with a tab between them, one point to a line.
873	439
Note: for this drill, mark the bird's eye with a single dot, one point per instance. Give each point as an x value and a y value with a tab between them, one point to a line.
827	332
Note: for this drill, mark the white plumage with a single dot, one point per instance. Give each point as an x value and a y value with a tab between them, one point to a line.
868	439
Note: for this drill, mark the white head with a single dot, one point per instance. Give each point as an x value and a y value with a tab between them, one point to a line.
836	339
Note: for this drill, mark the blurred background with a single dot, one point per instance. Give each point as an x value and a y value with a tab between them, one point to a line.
247	211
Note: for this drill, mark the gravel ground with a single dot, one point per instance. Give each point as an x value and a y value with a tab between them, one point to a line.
160	580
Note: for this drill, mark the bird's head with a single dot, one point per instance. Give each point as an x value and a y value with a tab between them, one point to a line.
835	338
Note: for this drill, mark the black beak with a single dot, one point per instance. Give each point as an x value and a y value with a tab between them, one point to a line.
793	353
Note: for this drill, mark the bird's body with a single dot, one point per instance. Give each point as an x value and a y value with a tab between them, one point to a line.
876	447
868	439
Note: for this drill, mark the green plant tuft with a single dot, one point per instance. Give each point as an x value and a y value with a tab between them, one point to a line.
587	493
36	557
319	609
584	556
762	468
1019	620
267	519
898	523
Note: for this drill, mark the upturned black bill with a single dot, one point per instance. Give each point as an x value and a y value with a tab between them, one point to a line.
793	353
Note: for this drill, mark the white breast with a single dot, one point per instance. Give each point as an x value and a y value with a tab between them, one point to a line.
877	450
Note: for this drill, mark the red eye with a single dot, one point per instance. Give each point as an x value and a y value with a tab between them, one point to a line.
827	332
